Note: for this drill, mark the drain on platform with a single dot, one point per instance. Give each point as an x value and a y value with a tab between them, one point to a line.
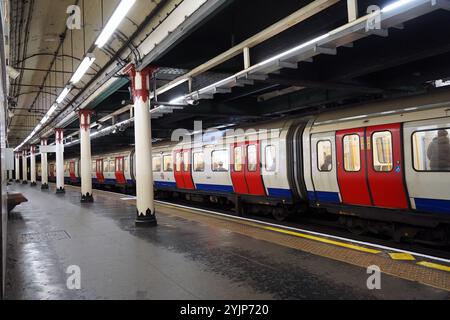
43	237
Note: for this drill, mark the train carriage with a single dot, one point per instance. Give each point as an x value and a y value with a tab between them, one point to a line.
382	167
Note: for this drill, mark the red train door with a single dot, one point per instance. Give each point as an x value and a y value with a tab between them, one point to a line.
120	176
351	163
178	173
73	178
238	168
99	171
186	170
253	170
385	166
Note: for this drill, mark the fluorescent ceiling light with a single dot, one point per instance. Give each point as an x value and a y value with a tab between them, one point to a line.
82	68
176	100
52	109
117	17
44	119
63	95
395	5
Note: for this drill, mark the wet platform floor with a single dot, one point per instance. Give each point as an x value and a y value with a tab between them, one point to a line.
179	259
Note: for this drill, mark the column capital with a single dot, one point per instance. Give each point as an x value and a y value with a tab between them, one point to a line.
43	141
85	118
59	135
140	81
32	148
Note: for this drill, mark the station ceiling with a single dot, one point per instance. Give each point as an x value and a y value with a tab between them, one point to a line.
404	63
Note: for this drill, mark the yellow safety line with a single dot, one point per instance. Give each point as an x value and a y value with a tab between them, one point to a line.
401	256
297	234
434	266
324	240
393	256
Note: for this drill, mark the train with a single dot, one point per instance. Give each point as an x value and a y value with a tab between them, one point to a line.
382	168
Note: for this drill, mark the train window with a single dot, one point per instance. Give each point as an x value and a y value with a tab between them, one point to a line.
186	161
112	166
252	158
168	163
382	151
271	159
352	154
324	156
238	159
125	166
105	166
156	164
119	164
431	150
94	166
199	162
99	166
178	161
220	161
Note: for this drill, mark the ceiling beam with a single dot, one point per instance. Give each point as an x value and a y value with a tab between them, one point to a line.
295	18
297	82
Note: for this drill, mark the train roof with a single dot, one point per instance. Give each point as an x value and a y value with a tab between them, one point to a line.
429	106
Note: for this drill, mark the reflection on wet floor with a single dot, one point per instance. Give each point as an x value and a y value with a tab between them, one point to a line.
180	259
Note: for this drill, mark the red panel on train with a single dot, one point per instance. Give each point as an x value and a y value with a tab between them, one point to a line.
385	166
178	174
73	177
352	167
186	170
238	165
120	176
253	170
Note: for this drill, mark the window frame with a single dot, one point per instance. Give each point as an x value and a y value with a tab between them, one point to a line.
212	160
194	167
265	158
160	163
184	165
242	158
247	154
412	149
373	149
163	163
332	158
343	152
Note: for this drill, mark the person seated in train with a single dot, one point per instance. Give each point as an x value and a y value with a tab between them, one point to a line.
220	167
326	166
439	151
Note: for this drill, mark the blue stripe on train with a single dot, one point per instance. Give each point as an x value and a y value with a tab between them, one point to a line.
324	196
432	205
165	184
279	193
111	181
215	188
311	196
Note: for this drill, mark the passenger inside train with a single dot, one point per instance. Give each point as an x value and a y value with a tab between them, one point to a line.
439	151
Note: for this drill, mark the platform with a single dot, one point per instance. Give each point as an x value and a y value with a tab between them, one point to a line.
187	256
